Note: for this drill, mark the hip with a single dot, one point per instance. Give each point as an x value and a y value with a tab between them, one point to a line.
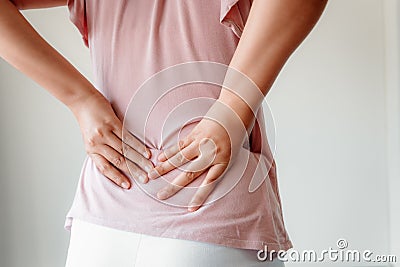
95	245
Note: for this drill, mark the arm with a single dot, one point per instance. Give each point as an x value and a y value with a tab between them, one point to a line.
31	4
23	48
274	29
26	50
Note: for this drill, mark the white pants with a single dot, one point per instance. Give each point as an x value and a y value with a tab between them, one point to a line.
98	246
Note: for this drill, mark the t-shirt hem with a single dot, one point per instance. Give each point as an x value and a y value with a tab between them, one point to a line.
214	239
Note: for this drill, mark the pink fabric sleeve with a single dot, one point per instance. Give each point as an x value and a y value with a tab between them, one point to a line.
234	14
77	14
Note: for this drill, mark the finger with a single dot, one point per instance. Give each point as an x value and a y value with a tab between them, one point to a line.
177	184
206	187
114	141
113	157
179	159
133	142
136	172
109	171
138	158
130	154
170	152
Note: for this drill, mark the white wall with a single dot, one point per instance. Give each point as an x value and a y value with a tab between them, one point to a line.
330	110
41	155
392	22
329	107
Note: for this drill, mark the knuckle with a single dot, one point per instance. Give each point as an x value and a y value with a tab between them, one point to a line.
179	158
124	147
104	168
91	141
190	176
117	162
172	189
124	132
99	132
181	144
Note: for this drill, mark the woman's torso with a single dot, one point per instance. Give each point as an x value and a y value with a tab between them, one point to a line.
129	42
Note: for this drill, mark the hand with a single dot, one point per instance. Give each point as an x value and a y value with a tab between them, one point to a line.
102	135
213	143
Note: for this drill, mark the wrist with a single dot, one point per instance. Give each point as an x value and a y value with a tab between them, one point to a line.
80	102
239	106
242	95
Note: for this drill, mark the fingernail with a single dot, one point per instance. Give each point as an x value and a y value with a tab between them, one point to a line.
162	194
153	174
161	157
125	185
143	178
193	206
146	154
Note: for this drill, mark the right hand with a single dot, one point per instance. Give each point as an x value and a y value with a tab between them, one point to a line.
102	135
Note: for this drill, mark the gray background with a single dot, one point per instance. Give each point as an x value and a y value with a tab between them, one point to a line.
336	110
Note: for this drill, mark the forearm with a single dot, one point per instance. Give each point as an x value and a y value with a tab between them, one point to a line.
274	29
31	4
23	48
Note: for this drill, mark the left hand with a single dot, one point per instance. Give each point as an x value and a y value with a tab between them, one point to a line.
206	147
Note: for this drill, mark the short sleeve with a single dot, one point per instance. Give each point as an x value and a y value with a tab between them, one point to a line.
77	15
234	14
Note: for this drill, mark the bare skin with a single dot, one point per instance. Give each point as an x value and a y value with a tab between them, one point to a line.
273	31
23	48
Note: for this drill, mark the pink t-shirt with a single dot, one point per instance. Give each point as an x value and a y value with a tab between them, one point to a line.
130	41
